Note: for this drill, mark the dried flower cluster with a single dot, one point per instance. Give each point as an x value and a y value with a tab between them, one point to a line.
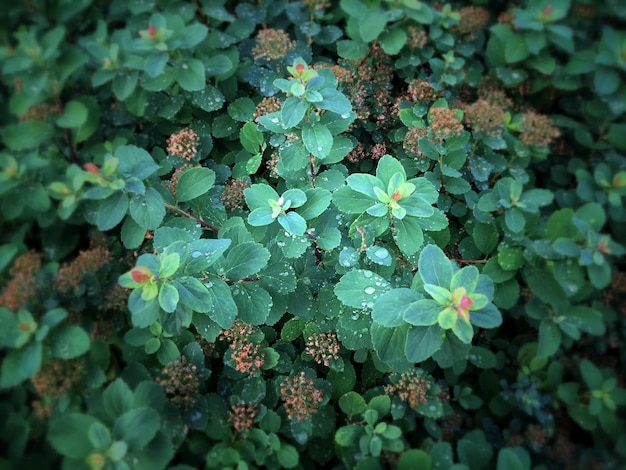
417	37
357	153
269	104
22	287
473	19
537	129
115	298
242	416
55	380
412	387
410	143
536	437
232	195
444	123
183	144
71	275
323	347
40	112
491	92
450	426
316	5
485	117
300	396
246	355
181	382
272	44
421	90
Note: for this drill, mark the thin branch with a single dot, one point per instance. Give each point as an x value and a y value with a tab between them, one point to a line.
470	261
192	217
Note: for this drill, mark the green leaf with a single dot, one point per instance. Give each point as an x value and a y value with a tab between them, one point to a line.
194	182
253	302
390	308
26	135
117	398
393	40
317	139
137	427
74	115
190	75
168	352
261	216
434	266
193	294
288	456
317	201
168	297
99	436
69	434
224	309
111	211
487	317
466	277
251	138
351	50
293	223
371	23
408	235
591	375
513	458
69	342
423	312
245	260
259	195
208	98
423	342
148	209
485	237
360	288
516	49
352	404
124	84
293	111
549	338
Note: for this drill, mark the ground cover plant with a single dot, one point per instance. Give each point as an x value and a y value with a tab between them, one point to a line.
354	234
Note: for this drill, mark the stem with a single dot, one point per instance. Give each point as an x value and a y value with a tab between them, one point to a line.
318	252
470	261
68	139
374	44
312	169
192	217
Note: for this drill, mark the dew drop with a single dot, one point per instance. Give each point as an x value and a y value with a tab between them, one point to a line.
369	290
368	274
196	254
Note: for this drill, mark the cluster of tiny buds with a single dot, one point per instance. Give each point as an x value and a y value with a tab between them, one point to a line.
537	129
115	298
181	381
247	356
473	19
232	195
272	44
269	104
22	287
536	437
450	426
300	397
242	415
444	122
40	112
183	144
485	117
71	275
323	347
421	90
412	387
57	379
418	37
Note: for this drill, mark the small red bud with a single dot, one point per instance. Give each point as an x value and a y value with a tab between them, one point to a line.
299	68
151	30
91	168
396	196
547	10
140	274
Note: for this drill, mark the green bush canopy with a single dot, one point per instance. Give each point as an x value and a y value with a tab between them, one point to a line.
342	234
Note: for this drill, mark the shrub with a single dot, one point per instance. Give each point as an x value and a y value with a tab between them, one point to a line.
355	234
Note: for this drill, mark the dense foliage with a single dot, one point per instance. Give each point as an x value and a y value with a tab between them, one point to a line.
353	234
